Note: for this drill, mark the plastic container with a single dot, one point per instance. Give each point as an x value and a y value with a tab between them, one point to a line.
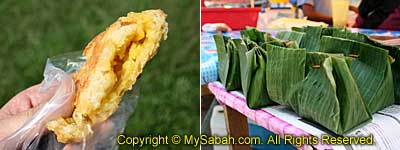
218	126
340	13
236	18
259	131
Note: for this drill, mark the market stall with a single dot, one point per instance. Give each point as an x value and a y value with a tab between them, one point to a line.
209	58
237	112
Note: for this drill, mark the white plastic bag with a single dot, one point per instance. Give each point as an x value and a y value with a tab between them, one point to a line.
33	135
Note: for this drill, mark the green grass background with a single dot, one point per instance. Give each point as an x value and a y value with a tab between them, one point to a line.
33	30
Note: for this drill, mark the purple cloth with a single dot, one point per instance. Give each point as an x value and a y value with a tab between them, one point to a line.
392	22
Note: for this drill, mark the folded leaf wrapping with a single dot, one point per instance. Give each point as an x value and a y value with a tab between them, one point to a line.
290	35
254	35
252	69
255	92
312	38
394	52
371	70
228	62
343	33
330	76
285	67
329	95
242	49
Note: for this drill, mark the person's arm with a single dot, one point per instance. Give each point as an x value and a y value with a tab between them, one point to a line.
353	8
313	15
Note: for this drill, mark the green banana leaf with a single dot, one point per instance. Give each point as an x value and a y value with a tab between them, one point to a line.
228	62
298	29
394	52
252	69
290	35
252	34
371	70
255	89
242	49
285	68
329	95
337	80
331	44
281	43
311	39
333	31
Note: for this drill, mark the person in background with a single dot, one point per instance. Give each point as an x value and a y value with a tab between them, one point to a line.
319	10
379	14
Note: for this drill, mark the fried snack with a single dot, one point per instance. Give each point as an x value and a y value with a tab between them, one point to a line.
114	60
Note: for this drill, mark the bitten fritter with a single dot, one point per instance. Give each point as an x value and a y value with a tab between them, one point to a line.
114	60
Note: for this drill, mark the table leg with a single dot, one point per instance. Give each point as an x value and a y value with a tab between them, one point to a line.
205	91
237	126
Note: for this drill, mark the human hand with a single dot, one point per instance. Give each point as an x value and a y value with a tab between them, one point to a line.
216	27
24	105
20	108
353	8
24	117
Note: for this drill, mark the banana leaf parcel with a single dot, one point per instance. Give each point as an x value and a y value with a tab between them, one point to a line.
286	55
253	35
327	75
254	81
242	63
285	68
329	95
252	69
311	39
371	70
228	62
394	52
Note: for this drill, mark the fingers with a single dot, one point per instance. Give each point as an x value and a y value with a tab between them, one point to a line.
20	102
72	146
28	99
12	123
222	27
38	97
22	107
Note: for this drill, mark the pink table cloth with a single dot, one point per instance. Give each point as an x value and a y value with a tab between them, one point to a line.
261	117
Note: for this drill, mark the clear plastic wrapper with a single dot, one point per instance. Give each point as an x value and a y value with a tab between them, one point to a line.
33	135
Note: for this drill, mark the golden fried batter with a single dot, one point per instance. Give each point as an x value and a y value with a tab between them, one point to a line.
114	60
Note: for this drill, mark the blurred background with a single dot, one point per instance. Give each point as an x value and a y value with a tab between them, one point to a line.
34	30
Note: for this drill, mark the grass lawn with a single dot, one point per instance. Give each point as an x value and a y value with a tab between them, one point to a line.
33	30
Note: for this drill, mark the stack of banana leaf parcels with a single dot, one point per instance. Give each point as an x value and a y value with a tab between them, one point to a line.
330	76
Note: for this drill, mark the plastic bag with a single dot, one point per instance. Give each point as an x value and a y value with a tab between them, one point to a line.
33	135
